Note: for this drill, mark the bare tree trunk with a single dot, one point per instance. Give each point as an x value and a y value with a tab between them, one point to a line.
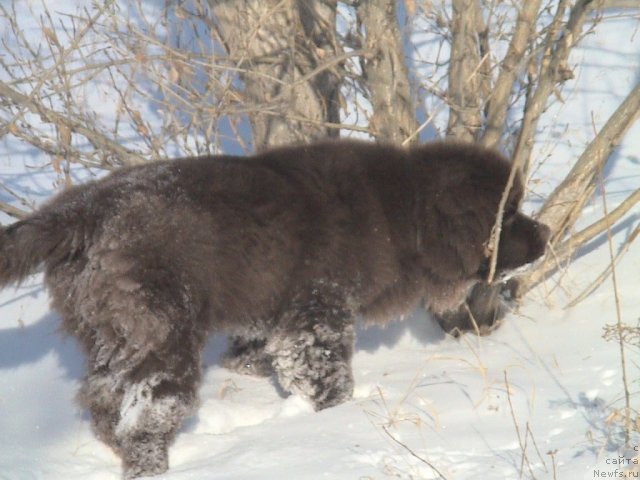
467	87
318	19
279	42
510	68
467	91
386	73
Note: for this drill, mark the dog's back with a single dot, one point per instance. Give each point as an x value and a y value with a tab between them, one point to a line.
236	232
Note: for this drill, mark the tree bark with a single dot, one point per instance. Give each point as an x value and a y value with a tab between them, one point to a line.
279	42
467	87
385	69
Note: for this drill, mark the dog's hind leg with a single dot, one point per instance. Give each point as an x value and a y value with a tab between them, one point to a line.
313	345
144	349
138	404
158	393
101	393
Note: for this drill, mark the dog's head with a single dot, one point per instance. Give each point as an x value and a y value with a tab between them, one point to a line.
463	187
522	241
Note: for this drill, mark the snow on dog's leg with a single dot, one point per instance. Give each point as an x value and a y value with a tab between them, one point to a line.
312	348
146	426
144	351
157	395
247	356
137	403
101	393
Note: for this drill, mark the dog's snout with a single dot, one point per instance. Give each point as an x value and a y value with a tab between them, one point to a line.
541	233
544	232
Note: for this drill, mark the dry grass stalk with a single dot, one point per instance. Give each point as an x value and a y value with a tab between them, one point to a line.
552	454
413	453
515	424
523	440
619	323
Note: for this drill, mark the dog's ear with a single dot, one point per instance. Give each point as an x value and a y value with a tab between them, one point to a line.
456	225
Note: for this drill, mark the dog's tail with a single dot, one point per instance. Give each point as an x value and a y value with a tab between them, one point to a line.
26	244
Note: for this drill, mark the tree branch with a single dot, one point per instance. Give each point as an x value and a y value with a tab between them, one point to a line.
13	211
510	67
564	205
97	139
564	250
553	70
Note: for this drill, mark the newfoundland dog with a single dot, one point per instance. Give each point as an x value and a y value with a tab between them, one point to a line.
281	251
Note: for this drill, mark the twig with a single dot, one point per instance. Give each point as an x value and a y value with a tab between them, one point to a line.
603	276
126	156
424	124
413	454
553	70
13	211
509	70
494	240
42	78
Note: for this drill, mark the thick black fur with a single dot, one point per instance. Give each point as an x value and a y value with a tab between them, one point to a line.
281	251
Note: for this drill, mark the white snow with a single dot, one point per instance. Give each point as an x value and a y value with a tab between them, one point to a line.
546	382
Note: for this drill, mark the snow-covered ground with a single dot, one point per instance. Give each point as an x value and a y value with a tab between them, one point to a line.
539	398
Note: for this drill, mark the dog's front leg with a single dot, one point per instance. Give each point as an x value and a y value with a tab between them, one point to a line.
312	348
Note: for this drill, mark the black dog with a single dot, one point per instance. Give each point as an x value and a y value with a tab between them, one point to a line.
281	251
